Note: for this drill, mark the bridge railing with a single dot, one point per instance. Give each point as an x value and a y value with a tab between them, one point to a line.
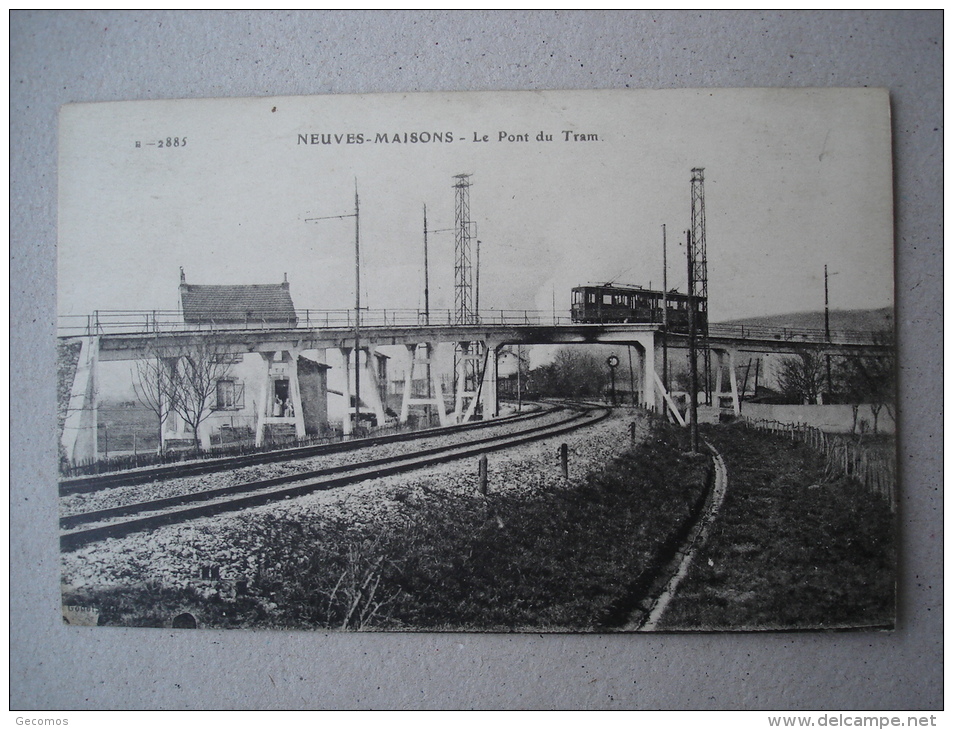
104	322
159	321
792	334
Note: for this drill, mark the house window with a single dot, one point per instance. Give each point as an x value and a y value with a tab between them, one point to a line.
229	395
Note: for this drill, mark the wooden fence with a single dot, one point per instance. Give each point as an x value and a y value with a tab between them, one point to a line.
872	465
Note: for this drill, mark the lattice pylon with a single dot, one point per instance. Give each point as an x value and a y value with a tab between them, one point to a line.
699	258
463	259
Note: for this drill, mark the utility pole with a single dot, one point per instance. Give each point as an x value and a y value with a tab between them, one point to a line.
426	273
827	329
664	310
519	378
827	312
356	215
357	309
692	348
476	285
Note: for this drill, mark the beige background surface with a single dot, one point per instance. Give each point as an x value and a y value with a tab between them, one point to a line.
59	57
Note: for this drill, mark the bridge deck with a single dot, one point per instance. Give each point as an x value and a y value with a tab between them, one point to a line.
122	333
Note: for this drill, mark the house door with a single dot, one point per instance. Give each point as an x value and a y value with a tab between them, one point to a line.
281	399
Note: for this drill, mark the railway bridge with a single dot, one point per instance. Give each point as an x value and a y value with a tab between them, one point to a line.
136	335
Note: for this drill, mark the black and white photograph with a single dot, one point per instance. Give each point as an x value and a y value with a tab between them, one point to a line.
548	362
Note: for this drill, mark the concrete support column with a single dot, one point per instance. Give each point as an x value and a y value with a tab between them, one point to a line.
647	356
80	429
489	395
435	399
264	398
346	425
719	375
461	371
436	386
408	382
295	386
726	358
370	367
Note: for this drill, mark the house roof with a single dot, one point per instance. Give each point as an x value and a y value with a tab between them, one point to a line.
237	303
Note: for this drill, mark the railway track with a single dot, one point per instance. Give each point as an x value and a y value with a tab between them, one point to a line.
98	482
81	529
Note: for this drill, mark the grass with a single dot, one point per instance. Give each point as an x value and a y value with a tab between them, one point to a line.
564	558
787	550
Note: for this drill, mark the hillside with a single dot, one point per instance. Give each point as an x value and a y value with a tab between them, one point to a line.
841	319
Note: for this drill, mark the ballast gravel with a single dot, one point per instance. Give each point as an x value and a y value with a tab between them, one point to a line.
172	556
137	493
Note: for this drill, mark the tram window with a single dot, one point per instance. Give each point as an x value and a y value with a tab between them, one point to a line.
592	298
607	299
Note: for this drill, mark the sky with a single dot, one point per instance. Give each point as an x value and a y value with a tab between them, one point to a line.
794	180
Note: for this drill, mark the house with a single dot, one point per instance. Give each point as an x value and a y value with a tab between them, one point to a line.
239	306
265	395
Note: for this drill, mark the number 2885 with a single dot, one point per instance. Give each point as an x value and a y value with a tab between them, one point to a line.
172	142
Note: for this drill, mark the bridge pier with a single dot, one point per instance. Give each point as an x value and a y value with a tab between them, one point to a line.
126	340
347	426
81	425
470	371
272	409
374	392
434	394
726	360
489	394
646	350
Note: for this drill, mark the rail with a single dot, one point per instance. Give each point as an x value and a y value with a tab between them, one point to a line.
156	321
82	528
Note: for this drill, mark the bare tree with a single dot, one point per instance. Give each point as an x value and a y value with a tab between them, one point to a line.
574	373
199	367
801	377
155	386
871	379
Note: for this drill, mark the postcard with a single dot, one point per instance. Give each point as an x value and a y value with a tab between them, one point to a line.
563	361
